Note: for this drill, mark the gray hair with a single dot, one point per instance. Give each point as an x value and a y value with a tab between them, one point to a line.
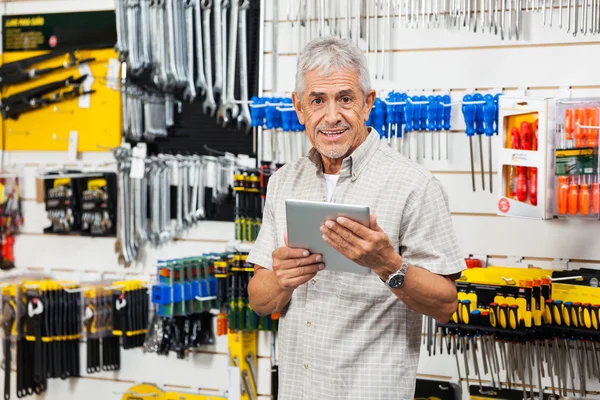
329	54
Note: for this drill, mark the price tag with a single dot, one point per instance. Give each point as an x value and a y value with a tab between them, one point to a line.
235	381
72	150
114	72
137	161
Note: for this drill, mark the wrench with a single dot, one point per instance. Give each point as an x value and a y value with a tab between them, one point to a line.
209	106
218	84
190	90
146	52
230	106
244	119
200	79
222	118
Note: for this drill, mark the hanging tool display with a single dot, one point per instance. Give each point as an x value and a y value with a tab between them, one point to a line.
11	217
577	166
248	206
51	93
185	293
103	348
20	71
130	310
160	197
81	202
168	49
521	325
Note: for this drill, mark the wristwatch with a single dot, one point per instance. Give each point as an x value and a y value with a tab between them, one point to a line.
395	280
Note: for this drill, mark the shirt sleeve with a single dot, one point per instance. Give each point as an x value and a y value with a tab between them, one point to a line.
266	243
427	237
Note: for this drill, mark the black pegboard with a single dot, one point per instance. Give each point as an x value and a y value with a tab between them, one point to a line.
193	130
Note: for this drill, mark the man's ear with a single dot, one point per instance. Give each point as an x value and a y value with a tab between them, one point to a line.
298	107
369	101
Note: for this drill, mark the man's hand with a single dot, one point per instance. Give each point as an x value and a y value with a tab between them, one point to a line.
294	267
369	247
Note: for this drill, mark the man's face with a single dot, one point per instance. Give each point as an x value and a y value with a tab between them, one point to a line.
334	110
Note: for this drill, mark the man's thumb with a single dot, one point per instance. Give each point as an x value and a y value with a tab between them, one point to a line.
285	239
373	222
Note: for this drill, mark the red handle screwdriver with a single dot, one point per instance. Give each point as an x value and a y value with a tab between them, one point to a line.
574	196
533	171
516	145
584	197
522	171
595	197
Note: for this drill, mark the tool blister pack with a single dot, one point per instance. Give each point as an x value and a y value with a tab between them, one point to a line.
514	315
183	296
102	346
524	163
248	204
11	217
130	311
577	167
79	202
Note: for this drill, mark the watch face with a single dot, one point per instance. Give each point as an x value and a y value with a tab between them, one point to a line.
396	281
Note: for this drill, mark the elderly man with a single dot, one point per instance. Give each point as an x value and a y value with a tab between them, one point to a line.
342	335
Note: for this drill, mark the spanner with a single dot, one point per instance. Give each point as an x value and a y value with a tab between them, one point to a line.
209	106
230	106
200	79
244	119
222	118
218	84
190	90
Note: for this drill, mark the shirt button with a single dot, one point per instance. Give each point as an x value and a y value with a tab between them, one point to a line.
308	323
355	174
313	281
305	366
324	198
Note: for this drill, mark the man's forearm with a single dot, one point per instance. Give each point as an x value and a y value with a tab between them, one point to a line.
427	293
265	294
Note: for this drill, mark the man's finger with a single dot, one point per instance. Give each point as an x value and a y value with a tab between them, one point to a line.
296	281
358	229
345	233
295	263
374	225
286	253
285	239
337	242
307	269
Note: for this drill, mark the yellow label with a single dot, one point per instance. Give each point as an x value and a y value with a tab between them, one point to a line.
61	181
24	21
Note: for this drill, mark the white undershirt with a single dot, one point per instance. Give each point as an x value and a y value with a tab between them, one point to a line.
330	182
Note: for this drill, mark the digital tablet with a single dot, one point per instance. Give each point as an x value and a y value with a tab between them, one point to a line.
304	220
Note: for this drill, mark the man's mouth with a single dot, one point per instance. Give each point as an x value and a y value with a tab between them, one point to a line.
333	132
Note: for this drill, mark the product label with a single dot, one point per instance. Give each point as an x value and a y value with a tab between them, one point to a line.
582	161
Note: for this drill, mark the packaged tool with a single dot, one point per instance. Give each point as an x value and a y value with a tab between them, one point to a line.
11	217
525	166
248	203
98	205
62	202
576	158
130	308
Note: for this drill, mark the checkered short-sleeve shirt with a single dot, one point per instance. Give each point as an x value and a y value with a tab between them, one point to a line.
347	336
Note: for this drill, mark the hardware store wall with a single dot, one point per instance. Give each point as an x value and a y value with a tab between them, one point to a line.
546	60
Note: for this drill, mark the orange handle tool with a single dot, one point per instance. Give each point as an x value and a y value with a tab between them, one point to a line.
516	145
579	132
569	124
533	171
593	119
573	197
563	194
584	198
595	198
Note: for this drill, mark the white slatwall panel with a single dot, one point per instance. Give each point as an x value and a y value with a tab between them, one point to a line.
546	60
428	61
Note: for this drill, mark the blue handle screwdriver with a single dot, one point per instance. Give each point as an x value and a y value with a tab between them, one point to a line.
409	115
402	121
389	116
478	97
431	114
416	122
439	120
489	116
447	114
468	111
423	99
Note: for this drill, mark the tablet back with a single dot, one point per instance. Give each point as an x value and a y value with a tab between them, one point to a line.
304	220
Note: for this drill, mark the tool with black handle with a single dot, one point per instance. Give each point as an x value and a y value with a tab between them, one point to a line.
8	318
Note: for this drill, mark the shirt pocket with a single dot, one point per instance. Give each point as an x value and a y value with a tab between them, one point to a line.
362	288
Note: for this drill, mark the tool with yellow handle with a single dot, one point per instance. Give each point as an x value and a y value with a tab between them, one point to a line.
594	315
566	312
503	315
586	316
493	314
465	311
575	314
455	315
513	316
557	307
548	312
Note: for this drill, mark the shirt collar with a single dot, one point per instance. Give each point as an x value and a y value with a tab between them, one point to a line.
354	163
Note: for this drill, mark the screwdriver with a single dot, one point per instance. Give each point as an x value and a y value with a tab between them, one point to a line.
548	312
522	171
566	314
489	113
447	114
423	99
563	194
493	314
595	196
557	312
397	124
584	197
468	111
574	196
575	317
516	145
389	117
533	170
431	114
417	123
402	121
595	316
513	313
580	132
593	120
439	124
586	316
409	115
478	97
569	126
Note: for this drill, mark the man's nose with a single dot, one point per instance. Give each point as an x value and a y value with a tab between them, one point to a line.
332	114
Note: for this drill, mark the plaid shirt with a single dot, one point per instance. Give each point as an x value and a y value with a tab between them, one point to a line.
347	336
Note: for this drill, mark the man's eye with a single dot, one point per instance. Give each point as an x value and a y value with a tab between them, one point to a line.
346	99
316	101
